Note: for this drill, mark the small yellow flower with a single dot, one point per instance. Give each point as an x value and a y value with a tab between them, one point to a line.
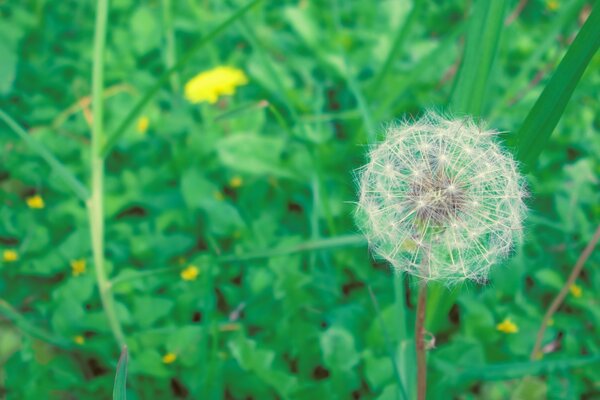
507	326
142	124
236	182
10	256
209	85
169	358
190	273
552	5
576	290
79	340
78	267
35	201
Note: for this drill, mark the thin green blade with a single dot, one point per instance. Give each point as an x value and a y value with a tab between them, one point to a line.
549	107
119	390
482	43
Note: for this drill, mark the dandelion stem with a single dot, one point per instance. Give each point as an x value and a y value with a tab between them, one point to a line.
535	354
95	203
420	343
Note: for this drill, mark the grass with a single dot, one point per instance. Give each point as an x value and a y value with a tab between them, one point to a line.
288	302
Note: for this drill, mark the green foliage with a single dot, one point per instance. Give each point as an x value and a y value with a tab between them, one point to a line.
256	192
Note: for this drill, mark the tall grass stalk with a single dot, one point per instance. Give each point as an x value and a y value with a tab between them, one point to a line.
95	204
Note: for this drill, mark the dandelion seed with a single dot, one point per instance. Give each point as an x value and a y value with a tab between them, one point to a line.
78	267
440	200
210	85
35	202
169	358
190	273
507	326
10	256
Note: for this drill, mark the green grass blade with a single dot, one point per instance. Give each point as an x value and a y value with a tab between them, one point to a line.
7	311
164	78
516	370
482	43
120	388
74	184
397	46
549	107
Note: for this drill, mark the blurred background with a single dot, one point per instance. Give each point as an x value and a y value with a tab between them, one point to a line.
237	270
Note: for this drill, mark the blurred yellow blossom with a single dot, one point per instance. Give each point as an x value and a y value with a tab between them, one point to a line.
576	290
10	255
169	358
552	5
507	326
142	124
78	267
35	201
236	182
209	85
190	273
79	340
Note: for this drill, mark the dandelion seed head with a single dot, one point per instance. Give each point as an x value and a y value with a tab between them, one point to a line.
440	199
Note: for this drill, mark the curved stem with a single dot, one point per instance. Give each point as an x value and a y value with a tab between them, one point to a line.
536	352
95	203
420	343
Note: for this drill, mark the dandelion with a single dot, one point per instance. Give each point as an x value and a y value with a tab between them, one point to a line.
236	182
210	85
190	273
576	290
35	202
10	256
507	326
169	358
439	199
142	124
79	340
78	267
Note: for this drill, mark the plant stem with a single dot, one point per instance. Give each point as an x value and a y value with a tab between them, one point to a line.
536	354
95	203
420	343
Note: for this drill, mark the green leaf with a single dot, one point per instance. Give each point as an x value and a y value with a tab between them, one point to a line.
253	154
516	370
120	387
339	350
8	67
482	43
549	107
149	309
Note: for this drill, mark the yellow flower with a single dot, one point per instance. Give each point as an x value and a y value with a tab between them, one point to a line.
190	273
169	358
576	290
78	267
10	256
142	124
35	202
552	5
236	182
79	340
507	326
209	85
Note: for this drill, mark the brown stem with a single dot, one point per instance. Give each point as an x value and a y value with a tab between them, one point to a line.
535	354
420	342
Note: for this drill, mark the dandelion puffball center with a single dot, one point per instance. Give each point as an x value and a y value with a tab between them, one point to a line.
440	199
